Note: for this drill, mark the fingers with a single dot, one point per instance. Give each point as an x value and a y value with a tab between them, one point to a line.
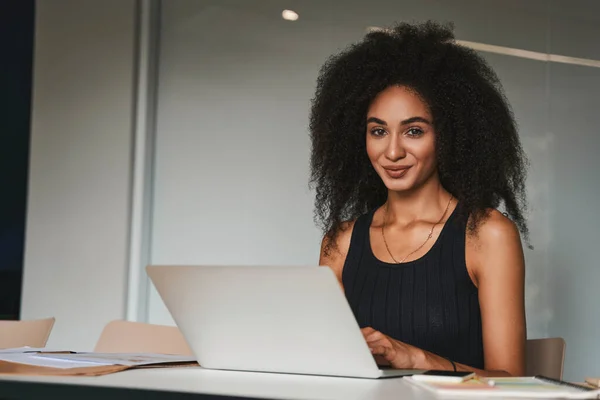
382	361
383	351
371	334
382	347
368	330
379	344
387	351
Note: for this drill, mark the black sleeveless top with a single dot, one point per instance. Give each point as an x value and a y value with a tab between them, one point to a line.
430	303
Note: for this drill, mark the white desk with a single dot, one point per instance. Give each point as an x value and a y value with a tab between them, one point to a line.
244	384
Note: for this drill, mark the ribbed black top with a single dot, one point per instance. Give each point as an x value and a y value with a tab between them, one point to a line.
430	303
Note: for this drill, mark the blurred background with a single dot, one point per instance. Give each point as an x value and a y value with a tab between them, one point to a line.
176	132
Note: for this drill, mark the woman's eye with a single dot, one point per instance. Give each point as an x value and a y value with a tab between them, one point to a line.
377	132
414	132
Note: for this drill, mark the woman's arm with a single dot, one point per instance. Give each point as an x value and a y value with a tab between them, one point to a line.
336	256
498	266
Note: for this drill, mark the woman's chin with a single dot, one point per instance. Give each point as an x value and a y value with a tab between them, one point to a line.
407	183
395	185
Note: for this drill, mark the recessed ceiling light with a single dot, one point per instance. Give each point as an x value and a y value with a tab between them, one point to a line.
289	15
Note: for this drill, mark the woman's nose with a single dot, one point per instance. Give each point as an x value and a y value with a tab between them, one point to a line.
395	149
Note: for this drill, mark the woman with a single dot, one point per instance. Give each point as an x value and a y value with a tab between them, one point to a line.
414	148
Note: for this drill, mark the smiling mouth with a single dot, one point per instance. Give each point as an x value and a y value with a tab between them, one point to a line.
396	172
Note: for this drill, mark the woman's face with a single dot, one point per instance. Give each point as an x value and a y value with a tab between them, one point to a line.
401	139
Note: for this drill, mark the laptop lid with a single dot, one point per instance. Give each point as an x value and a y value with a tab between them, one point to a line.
286	319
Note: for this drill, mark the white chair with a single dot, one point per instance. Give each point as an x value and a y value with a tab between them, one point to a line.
136	337
30	333
545	357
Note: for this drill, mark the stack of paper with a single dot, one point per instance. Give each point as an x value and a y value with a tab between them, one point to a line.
43	361
28	349
530	387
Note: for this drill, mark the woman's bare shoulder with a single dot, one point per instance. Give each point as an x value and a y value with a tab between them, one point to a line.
497	238
495	228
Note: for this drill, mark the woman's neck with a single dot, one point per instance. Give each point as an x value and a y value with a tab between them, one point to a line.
426	203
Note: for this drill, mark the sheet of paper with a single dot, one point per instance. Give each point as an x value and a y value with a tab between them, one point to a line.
27	349
129	359
41	361
16	350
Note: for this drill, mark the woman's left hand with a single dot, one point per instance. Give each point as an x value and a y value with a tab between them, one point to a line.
388	351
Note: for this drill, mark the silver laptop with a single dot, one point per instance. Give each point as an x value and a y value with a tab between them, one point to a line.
268	319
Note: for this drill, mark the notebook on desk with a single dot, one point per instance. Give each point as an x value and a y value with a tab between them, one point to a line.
530	387
267	319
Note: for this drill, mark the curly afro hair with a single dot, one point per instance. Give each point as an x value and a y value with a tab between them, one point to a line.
479	155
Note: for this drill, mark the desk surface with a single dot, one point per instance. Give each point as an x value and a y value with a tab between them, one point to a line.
229	384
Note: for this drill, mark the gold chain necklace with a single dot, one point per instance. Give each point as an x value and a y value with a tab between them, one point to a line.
426	240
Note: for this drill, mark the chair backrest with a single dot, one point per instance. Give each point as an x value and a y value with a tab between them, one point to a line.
545	357
31	333
136	337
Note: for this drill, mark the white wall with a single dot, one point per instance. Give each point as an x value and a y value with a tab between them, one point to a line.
574	96
79	184
575	256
